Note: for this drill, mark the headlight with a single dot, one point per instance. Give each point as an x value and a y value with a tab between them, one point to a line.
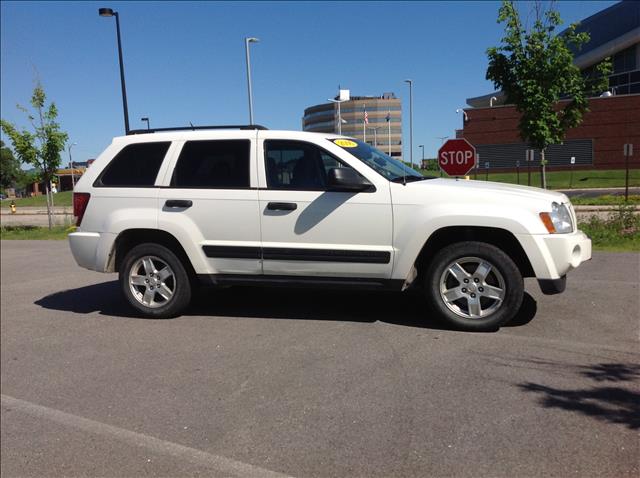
558	221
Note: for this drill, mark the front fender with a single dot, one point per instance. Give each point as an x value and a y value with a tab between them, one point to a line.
413	226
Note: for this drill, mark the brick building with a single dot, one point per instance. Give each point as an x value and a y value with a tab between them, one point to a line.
613	119
597	142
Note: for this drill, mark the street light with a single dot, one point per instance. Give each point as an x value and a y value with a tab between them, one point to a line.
464	114
410	120
246	47
442	138
422	163
73	180
108	12
339	116
147	120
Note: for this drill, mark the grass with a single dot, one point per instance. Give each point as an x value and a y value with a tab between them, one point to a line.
59	199
563	179
605	200
619	232
56	233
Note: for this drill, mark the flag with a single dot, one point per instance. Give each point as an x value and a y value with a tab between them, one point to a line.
388	117
366	116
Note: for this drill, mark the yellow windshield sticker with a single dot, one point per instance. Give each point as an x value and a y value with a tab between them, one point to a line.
345	143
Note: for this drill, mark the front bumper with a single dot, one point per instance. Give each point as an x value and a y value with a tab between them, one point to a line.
552	256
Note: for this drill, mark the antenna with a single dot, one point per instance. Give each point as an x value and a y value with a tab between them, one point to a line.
192	127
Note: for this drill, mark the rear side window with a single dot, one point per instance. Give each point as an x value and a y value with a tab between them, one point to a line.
136	165
213	164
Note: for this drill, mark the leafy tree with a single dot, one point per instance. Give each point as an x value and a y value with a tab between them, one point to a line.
40	148
534	68
9	167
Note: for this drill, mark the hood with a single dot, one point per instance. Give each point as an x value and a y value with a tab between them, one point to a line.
484	188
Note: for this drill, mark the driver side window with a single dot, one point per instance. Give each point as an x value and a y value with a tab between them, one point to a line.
297	165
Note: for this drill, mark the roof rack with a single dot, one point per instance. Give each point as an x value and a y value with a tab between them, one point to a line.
197	128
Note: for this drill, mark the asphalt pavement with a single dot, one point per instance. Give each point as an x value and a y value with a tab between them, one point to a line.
270	382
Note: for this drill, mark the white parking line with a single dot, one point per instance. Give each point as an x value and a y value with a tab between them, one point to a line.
222	466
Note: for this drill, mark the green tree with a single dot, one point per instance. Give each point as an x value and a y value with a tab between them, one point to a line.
40	148
9	167
534	68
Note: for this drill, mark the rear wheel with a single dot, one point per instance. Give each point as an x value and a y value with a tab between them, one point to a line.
474	286
154	281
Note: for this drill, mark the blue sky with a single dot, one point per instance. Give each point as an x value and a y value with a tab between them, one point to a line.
184	61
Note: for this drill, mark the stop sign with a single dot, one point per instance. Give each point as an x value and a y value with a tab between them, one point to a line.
457	157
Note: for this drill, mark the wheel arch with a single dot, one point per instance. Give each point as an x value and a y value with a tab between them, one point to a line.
130	238
500	238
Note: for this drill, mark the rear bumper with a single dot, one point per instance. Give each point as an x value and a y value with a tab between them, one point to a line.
91	250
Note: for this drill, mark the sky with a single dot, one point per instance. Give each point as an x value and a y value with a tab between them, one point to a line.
185	61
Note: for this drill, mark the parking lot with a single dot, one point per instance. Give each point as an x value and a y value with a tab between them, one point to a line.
261	382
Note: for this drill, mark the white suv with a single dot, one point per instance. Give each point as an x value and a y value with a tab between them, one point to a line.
172	209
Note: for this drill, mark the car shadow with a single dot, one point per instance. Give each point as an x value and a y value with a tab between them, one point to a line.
405	309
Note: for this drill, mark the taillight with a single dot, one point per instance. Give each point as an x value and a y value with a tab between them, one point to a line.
80	202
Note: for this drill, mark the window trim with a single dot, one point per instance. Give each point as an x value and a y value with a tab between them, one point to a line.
213	188
99	184
325	189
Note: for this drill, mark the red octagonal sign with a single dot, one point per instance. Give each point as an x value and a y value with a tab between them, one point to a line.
457	157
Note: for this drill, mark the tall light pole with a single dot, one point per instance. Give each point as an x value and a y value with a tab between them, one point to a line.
422	163
108	12
410	120
146	119
73	180
442	138
246	47
339	116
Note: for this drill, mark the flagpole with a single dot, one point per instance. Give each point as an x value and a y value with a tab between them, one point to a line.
389	121
364	123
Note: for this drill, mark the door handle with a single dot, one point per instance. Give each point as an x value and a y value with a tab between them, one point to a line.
178	203
282	206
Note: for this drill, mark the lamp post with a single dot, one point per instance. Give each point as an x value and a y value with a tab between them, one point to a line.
246	47
146	119
108	12
73	180
339	116
410	120
442	138
422	163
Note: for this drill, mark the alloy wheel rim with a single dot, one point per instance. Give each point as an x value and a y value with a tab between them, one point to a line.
152	282
472	287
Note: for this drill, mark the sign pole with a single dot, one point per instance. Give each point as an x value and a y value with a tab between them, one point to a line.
573	161
628	151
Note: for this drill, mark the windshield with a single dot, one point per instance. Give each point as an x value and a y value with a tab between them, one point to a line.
390	168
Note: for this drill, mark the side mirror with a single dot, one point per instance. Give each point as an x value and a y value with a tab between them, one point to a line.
347	180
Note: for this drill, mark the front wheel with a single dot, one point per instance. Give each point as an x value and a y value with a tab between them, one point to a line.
474	286
154	281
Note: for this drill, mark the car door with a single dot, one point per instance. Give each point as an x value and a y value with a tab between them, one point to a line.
308	230
210	203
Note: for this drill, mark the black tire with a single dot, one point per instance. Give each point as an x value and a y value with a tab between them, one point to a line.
457	308
178	283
